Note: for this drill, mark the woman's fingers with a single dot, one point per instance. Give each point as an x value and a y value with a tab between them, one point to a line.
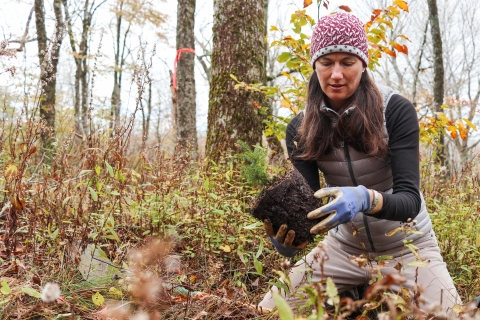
320	213
328	192
289	238
281	233
267	224
322	225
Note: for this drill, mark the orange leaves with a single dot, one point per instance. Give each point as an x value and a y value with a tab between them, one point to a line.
431	127
401	4
380	21
390	52
400	48
345	8
306	3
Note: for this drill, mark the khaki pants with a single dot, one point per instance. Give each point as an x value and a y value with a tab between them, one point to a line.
434	278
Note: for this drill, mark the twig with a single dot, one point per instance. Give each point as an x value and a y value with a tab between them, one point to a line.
5	207
35	170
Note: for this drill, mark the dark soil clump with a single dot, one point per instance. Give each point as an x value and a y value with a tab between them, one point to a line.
288	200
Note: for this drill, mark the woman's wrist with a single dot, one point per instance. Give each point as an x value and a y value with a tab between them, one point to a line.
376	201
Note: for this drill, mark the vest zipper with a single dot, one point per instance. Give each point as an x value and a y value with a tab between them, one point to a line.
349	162
352	176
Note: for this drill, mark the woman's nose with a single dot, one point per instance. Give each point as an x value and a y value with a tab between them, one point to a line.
337	72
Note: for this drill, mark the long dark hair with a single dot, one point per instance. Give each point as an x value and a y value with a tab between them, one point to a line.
362	128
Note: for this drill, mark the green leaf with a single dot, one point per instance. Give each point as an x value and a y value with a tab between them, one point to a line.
98	299
380	258
418	264
113	235
284	57
258	265
116	292
55	234
260	249
97	170
284	310
233	77
280	285
84	172
252	226
93	193
5	289
109	169
32	292
332	293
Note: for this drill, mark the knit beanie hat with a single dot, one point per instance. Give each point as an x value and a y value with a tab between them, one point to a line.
339	32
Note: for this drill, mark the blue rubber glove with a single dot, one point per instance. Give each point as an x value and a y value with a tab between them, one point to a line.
346	203
283	240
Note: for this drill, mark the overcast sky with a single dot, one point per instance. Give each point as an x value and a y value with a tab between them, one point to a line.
14	13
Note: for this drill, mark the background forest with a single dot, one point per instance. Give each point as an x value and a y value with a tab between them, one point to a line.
125	191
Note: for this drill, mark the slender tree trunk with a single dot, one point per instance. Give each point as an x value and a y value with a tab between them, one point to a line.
149	111
48	64
86	25
438	69
147	115
80	54
238	49
119	53
186	95
173	122
419	64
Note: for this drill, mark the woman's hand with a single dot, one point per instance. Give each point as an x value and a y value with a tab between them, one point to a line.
346	203
283	240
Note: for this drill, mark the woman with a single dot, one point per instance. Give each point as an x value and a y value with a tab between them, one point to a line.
365	140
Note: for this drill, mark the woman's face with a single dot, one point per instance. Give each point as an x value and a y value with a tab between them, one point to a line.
339	75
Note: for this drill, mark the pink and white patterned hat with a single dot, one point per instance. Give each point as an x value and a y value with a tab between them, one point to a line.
339	32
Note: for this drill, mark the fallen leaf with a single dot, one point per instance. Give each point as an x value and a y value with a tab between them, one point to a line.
225	248
10	171
172	264
200	315
98	299
306	3
345	8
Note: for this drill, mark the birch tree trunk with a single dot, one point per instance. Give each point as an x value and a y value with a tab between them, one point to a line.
238	49
438	71
185	78
48	65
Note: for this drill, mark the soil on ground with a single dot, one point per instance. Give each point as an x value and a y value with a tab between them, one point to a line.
288	200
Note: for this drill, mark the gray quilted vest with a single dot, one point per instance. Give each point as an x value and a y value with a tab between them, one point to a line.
347	167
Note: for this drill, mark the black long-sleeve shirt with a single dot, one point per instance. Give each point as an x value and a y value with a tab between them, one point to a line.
403	131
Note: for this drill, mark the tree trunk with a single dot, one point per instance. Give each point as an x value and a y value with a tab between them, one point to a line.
120	55
276	154
147	115
238	49
48	65
438	70
186	112
418	65
80	54
173	122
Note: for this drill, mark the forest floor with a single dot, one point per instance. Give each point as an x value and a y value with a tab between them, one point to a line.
157	237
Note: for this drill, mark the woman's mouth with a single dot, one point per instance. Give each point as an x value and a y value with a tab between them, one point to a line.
336	86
